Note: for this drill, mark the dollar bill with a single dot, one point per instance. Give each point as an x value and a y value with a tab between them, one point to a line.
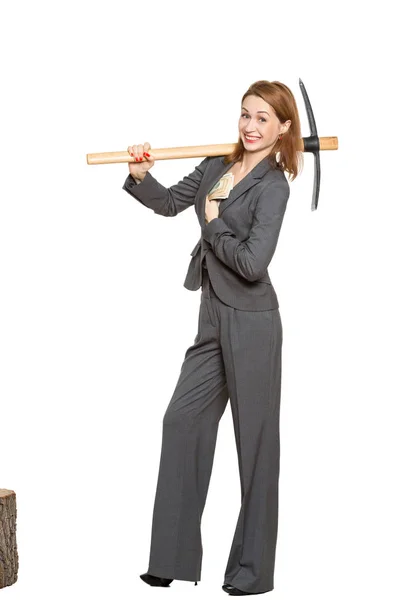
222	188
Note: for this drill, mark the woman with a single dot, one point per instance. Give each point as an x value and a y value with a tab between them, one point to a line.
236	353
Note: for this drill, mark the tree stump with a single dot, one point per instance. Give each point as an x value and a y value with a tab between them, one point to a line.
8	538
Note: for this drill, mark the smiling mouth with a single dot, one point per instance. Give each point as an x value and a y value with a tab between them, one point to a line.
251	139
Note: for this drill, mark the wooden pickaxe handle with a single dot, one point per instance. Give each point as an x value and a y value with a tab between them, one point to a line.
101	158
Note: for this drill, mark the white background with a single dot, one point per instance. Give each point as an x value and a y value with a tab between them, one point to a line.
95	321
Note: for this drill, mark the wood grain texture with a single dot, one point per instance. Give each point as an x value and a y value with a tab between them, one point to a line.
8	538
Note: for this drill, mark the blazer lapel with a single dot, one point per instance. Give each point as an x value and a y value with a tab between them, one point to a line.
216	171
245	184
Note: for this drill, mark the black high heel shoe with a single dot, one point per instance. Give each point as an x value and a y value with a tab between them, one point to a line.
232	591
227	587
155	581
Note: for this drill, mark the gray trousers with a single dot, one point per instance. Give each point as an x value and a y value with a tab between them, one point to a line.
236	355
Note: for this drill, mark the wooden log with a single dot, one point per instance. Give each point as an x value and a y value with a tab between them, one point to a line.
8	538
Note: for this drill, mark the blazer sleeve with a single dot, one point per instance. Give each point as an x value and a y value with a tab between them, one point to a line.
167	202
251	258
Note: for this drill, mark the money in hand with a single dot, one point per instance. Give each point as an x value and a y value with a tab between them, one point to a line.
222	188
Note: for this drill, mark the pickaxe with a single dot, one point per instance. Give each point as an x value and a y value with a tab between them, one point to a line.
312	143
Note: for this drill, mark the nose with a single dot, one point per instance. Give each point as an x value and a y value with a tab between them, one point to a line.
249	127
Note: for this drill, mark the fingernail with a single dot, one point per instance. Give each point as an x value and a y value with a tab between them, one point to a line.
146	154
141	158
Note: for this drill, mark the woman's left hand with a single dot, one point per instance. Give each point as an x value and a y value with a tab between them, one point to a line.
212	209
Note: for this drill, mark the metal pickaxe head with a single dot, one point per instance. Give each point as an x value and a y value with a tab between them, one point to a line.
311	144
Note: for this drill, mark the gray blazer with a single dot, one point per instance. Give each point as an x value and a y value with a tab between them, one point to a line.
238	245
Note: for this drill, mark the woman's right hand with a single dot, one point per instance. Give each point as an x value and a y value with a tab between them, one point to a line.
143	160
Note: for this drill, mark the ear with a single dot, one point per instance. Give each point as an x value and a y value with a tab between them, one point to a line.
287	125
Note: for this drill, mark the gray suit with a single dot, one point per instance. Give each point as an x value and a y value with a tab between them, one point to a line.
237	247
235	355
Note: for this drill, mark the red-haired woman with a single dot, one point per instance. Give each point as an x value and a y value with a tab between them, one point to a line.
240	201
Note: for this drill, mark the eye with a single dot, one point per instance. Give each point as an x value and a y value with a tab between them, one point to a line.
246	115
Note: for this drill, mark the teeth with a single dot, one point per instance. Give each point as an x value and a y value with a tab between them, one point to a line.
251	138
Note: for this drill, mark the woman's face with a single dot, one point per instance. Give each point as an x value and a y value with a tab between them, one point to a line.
258	120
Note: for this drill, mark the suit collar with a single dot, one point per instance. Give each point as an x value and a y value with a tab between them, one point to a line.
216	169
219	168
